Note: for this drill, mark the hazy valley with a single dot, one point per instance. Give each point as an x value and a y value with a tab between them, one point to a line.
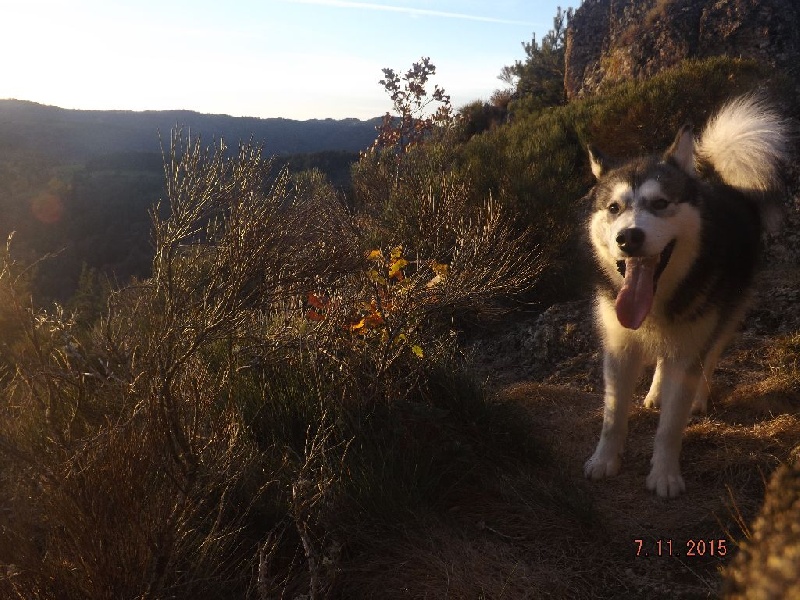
81	183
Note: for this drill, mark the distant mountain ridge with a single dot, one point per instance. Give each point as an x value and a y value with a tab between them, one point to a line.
78	135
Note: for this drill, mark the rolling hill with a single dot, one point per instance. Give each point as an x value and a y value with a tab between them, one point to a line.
80	183
71	136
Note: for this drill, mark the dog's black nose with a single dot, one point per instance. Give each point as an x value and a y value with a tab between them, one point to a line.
630	240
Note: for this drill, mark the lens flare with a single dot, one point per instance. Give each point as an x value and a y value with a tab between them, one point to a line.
47	208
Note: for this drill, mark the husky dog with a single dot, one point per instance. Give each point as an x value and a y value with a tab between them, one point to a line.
677	239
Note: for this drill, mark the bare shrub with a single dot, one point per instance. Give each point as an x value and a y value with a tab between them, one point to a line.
131	471
200	432
412	124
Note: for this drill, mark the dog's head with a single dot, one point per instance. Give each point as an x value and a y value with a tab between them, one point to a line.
645	223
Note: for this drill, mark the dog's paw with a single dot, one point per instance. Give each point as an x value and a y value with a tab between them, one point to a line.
652	400
602	465
666	482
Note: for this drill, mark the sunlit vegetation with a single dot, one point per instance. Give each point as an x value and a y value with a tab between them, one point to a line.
258	388
243	401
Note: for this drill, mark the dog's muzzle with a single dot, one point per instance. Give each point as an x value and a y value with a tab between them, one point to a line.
666	254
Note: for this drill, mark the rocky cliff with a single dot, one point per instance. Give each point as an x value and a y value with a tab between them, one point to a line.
609	41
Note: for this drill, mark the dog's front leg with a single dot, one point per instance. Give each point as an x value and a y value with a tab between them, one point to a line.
679	385
622	367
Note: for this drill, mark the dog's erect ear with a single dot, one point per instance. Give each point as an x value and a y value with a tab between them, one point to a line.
598	161
681	153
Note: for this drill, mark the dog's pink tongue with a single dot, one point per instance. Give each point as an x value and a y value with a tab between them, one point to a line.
635	299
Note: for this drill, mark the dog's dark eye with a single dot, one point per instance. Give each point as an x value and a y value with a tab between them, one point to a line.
659	204
614	208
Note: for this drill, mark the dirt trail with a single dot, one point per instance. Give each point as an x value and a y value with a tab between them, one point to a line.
684	541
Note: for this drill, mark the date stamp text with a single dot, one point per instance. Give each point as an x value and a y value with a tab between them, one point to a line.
691	548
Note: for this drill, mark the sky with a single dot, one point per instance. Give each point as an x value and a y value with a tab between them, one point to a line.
297	59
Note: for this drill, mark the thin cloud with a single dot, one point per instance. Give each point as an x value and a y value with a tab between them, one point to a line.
417	12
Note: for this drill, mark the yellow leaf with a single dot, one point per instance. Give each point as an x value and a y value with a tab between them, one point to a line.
397	266
375	276
357	326
397	252
417	350
375	255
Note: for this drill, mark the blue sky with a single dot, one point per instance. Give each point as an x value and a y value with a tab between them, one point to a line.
297	59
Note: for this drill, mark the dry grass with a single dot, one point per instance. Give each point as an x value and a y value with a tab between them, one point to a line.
725	465
457	561
508	535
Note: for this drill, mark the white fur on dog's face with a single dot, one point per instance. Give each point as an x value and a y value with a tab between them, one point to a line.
662	219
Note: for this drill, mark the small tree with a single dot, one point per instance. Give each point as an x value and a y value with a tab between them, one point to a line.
541	75
413	120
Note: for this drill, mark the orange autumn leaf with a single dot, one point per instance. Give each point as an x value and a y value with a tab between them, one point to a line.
373	320
317	302
357	327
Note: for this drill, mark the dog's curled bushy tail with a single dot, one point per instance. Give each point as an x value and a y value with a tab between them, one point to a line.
746	142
